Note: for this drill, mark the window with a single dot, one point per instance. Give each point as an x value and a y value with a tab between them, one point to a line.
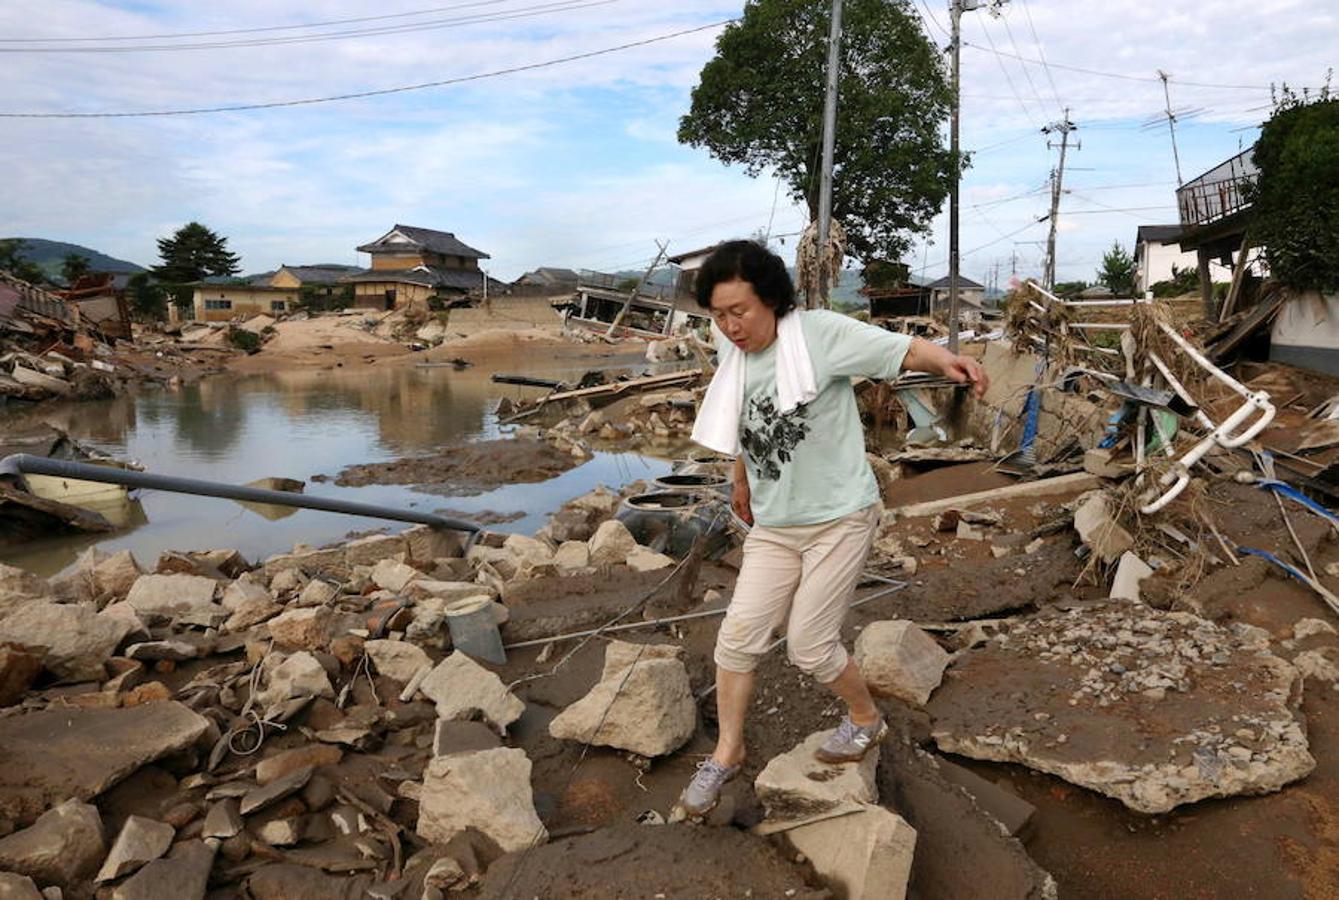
218	304
278	306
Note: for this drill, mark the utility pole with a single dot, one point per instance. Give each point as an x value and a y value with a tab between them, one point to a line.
956	9
1013	262
1171	122
646	276
1057	188
829	144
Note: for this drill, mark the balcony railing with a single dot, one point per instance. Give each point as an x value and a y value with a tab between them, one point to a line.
1219	192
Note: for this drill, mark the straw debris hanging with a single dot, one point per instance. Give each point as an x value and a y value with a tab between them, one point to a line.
809	268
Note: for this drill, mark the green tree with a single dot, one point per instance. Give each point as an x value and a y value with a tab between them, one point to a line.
192	253
147	299
73	267
1295	202
1068	290
759	104
13	261
1117	271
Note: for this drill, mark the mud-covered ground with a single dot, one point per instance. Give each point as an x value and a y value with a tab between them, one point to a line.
466	468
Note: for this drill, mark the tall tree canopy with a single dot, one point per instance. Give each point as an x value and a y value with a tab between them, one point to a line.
73	266
192	253
14	262
1295	211
1117	271
760	104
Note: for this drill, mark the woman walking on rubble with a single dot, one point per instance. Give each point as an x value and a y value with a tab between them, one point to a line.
782	402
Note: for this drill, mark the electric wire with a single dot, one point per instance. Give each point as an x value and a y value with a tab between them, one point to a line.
1120	75
1008	79
1041	51
1027	73
359	95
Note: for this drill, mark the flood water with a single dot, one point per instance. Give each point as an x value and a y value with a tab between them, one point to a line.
298	424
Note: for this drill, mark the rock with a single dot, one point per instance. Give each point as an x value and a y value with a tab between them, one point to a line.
649	711
489	791
281	832
644	559
394	576
19	668
286	581
797	787
448	591
900	660
18	887
1305	628
123	615
318	592
184	875
149	692
74	641
280	764
223	820
462	688
427	544
399	660
330	563
47	759
1151	708
258	798
117	574
244	591
188	599
1318	665
141	841
462	737
446	872
373	549
525	549
866	855
177	651
299	675
1097	528
288	881
303	629
611	544
61	848
251	612
19	586
572	556
1131	571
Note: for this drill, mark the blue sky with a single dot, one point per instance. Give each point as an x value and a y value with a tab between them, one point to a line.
576	164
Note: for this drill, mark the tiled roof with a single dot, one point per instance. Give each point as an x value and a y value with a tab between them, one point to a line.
322	273
437	241
428	276
963	282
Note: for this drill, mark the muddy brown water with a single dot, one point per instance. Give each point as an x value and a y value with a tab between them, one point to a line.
298	424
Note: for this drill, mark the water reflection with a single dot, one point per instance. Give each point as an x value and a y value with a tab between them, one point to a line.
296	425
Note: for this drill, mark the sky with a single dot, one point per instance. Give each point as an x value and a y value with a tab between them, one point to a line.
576	164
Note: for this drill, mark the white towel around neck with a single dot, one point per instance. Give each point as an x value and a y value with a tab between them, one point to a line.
717	425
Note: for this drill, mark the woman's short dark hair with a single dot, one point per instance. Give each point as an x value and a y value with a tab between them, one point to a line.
752	262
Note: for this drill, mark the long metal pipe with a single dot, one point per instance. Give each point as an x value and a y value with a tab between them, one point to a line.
26	464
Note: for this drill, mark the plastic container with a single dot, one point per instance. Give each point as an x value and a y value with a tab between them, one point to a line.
694	482
473	626
670	521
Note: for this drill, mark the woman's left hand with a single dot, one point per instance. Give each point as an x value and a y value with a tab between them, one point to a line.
965	370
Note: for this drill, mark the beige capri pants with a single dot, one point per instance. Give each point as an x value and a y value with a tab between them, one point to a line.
807	571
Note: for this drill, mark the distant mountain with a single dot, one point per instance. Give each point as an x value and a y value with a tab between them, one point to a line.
47	255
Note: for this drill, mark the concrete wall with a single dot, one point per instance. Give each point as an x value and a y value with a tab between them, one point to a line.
372	294
1158	259
1306	332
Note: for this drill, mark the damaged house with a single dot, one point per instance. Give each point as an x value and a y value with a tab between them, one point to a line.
420	267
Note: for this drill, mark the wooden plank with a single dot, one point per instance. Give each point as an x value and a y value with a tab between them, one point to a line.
1238	276
1062	484
619	387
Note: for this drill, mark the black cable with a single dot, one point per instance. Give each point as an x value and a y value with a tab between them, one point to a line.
1123	77
358	95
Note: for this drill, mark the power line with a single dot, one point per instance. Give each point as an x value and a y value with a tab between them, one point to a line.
358	95
1122	76
256	30
1007	78
1041	104
483	18
1041	51
929	12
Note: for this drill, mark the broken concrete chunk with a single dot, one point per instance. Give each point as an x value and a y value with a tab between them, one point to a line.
223	820
317	592
462	689
243	592
644	559
373	549
285	581
648	710
797	787
489	791
281	832
525	549
390	575
303	629
572	556
188	599
299	675
184	875
1151	708
1305	628
1097	527
117	574
450	591
1131	571
73	640
427	544
900	660
866	855
967	532
399	660
141	841
611	544
252	611
61	848
46	754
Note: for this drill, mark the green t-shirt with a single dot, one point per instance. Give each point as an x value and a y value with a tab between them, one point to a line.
809	465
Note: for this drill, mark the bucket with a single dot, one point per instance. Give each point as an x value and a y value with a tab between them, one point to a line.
473	626
694	482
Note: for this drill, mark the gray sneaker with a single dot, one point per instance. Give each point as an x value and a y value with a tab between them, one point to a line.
850	742
704	791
